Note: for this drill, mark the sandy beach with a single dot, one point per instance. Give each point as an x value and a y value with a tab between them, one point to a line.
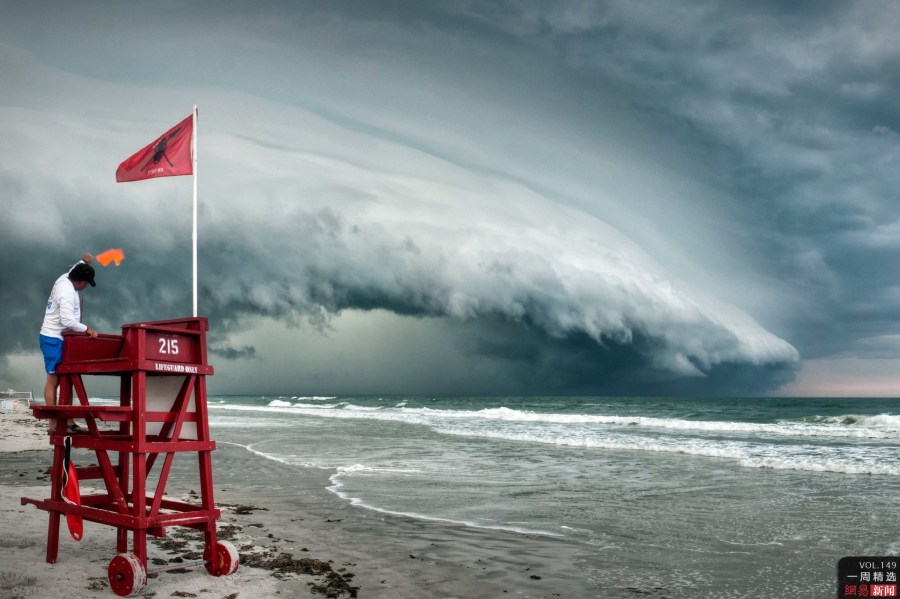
81	567
290	545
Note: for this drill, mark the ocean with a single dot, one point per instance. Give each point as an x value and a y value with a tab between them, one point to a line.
611	497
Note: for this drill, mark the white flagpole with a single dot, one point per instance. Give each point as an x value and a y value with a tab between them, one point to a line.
194	231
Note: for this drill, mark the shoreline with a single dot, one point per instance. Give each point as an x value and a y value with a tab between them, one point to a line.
292	542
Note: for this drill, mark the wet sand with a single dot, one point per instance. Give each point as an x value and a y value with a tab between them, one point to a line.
292	543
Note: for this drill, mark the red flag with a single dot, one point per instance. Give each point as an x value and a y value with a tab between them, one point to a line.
168	156
71	493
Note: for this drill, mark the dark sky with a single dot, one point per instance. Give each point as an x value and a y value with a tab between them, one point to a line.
535	197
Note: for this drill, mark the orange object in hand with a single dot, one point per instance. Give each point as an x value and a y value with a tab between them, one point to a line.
111	255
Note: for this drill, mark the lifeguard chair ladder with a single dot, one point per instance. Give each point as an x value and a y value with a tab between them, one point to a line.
162	411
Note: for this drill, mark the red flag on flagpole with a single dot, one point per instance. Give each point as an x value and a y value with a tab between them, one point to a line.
168	156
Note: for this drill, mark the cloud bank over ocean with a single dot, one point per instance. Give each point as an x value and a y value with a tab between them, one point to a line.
437	240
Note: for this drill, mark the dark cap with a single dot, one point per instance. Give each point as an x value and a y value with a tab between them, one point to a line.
83	272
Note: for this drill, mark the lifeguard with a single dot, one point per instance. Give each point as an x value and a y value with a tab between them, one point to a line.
63	314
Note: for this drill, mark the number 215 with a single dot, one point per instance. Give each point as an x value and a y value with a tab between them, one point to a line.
168	346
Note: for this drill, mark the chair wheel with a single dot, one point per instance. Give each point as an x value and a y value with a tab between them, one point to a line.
127	575
225	560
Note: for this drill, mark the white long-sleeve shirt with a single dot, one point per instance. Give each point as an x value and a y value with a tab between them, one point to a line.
63	310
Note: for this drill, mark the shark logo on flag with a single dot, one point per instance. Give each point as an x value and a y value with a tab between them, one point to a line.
169	155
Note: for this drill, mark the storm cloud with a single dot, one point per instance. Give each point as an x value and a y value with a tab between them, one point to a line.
527	197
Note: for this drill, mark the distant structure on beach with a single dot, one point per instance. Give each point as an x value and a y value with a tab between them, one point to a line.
15	401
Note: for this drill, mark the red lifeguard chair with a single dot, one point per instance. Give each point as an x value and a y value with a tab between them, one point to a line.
162	411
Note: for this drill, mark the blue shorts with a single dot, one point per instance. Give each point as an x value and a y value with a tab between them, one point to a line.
51	347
